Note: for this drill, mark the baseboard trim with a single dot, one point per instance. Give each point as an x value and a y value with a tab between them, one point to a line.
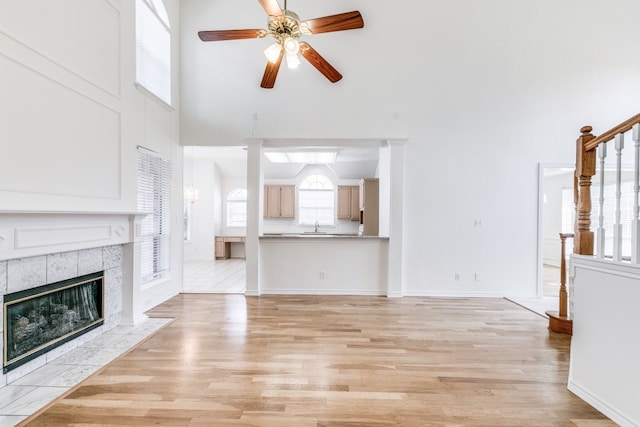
601	406
345	292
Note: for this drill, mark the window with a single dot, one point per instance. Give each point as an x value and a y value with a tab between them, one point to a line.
237	208
316	201
154	195
153	48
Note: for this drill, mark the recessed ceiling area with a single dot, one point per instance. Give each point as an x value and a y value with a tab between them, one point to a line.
353	161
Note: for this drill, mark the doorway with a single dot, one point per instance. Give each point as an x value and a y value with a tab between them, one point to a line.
556	211
555	183
211	176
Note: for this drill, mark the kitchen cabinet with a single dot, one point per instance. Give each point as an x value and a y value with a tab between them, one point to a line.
279	201
348	202
369	203
221	253
223	245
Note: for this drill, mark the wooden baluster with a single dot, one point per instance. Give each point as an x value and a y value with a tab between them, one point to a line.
563	276
602	153
560	321
585	169
576	191
617	226
635	222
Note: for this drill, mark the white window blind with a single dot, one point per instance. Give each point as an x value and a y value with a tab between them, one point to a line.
153	48
237	208
316	202
154	196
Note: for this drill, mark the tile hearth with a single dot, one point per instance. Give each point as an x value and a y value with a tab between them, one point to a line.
28	394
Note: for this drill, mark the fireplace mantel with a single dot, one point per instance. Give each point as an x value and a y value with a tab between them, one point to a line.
33	233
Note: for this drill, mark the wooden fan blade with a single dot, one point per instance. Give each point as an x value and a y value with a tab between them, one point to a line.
219	35
321	64
271	72
340	22
271	7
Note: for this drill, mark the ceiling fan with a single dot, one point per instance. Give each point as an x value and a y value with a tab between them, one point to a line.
286	28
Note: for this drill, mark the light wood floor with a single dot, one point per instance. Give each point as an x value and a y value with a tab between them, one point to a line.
296	361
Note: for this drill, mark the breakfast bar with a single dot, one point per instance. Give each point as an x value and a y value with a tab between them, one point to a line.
323	264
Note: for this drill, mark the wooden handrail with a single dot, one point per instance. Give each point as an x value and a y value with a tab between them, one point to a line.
611	133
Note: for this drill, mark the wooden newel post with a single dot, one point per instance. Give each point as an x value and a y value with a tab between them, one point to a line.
585	169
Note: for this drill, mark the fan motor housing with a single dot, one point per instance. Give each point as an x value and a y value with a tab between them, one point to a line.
287	24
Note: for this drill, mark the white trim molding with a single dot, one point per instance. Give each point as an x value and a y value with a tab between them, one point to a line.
32	233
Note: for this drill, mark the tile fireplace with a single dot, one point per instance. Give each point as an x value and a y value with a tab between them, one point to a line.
39	319
42	251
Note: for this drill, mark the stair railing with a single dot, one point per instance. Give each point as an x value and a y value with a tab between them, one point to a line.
588	148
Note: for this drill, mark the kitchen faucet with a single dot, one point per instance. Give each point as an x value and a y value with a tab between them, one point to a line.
317	226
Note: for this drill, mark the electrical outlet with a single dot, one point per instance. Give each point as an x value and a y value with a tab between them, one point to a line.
477	276
456	276
323	275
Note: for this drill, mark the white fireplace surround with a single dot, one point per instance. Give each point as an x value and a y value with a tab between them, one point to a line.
39	248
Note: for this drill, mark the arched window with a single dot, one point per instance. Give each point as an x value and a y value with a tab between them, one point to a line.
316	201
153	48
237	208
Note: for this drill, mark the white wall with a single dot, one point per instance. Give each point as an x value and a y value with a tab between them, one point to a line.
218	198
201	174
324	266
484	90
72	116
206	213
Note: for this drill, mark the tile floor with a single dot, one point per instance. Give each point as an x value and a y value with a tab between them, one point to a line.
27	394
219	276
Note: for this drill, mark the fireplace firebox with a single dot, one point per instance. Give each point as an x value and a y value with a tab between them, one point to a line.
39	319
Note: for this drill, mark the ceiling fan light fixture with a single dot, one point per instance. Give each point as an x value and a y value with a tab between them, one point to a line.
286	28
292	61
291	46
273	52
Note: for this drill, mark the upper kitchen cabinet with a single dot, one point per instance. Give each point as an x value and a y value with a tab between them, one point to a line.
369	206
279	201
349	202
